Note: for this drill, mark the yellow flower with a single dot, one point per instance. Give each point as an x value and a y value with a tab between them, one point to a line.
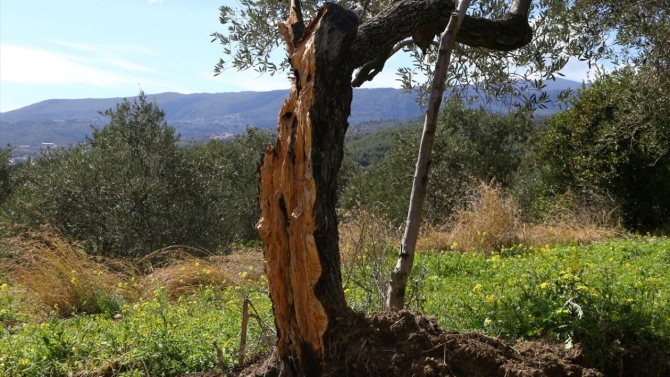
3	287
544	285
197	264
477	288
490	298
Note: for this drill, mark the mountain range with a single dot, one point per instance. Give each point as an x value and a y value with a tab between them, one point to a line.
203	115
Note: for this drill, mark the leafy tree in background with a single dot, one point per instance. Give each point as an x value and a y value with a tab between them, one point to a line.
469	145
615	141
5	188
130	189
118	190
226	182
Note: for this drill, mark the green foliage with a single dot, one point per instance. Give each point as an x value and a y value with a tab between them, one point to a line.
614	142
226	183
130	189
610	297
5	187
153	337
469	144
372	147
119	190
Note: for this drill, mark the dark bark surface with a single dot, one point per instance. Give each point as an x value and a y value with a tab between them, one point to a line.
298	222
297	197
424	19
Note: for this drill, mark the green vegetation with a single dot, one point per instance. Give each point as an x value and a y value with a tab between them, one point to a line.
131	190
5	186
470	145
369	142
111	252
610	298
614	142
149	337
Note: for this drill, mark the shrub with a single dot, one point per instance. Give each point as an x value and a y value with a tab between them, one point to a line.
226	183
61	278
130	190
469	146
614	143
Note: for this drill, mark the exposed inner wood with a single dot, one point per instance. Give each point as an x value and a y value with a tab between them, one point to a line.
297	191
287	224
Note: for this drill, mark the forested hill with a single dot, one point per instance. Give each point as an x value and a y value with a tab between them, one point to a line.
200	115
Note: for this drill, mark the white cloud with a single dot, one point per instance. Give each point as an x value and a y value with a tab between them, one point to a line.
132	66
577	70
107	49
247	80
27	65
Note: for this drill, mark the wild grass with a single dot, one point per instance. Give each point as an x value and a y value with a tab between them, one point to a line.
58	276
164	321
181	273
611	297
491	221
169	307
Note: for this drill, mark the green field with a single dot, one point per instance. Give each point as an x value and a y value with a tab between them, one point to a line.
611	298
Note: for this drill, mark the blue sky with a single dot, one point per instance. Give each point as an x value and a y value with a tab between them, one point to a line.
112	48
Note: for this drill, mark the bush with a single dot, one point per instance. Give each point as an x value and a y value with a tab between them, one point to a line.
226	183
130	189
470	145
614	143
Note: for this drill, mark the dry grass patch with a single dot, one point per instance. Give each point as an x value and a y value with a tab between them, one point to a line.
182	273
59	276
492	221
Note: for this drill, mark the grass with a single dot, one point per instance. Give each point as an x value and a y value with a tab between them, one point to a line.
613	298
491	221
151	337
66	313
59	276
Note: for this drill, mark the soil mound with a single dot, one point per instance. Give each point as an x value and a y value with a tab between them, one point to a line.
404	345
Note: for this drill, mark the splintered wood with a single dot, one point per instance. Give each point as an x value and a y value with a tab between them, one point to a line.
287	197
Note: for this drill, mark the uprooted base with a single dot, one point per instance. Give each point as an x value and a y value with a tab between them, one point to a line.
402	344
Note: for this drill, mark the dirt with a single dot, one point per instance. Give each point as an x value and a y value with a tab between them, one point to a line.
404	345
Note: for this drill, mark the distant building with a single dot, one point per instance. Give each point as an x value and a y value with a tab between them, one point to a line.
47	148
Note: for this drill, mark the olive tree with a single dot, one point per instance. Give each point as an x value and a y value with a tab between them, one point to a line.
332	47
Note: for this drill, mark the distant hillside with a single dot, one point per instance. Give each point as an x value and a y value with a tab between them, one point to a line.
199	115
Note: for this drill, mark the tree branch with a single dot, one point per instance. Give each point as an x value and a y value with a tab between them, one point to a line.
423	19
370	69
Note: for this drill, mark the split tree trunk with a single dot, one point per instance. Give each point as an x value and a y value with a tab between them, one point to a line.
297	196
298	222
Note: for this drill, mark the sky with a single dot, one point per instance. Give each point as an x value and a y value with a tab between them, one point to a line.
113	48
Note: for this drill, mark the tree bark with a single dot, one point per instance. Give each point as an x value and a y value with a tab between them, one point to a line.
297	197
399	276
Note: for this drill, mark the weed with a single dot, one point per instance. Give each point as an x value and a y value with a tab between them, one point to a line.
61	277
